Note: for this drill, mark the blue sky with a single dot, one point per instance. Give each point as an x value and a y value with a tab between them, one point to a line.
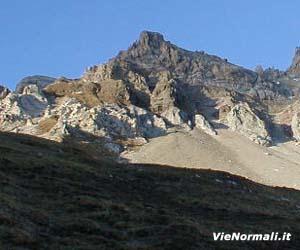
63	37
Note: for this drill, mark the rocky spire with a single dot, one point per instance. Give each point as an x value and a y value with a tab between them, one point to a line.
150	39
149	43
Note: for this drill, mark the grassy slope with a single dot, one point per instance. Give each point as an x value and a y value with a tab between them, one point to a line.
55	196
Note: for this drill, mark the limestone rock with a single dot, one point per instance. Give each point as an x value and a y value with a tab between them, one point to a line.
12	115
109	120
131	121
203	124
32	100
18	110
242	119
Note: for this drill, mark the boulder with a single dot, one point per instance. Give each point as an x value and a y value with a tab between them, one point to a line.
175	116
203	124
243	119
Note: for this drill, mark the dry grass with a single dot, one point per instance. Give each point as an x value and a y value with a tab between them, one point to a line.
89	93
46	124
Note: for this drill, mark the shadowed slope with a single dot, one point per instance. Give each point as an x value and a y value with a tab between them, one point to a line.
56	196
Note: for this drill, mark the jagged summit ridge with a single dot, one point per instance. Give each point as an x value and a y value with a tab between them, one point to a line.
152	56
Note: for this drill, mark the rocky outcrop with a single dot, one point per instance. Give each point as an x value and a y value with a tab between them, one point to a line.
163	96
295	125
18	110
159	74
152	53
145	65
3	92
32	101
111	121
130	122
203	124
70	117
243	119
201	68
295	67
12	115
139	93
39	81
175	116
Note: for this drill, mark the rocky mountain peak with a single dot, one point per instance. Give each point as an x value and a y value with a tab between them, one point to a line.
146	90
149	47
151	54
150	39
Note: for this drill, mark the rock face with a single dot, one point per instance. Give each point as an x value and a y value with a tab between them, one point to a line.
152	51
295	67
175	116
39	81
164	94
18	110
3	92
296	126
33	101
242	119
110	121
161	67
70	117
202	123
12	115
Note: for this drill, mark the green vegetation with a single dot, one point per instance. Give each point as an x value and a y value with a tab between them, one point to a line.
66	196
